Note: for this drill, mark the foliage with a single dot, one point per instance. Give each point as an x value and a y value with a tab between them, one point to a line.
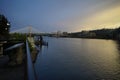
18	36
99	34
4	27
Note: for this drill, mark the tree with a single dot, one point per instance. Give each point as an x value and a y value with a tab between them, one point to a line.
4	27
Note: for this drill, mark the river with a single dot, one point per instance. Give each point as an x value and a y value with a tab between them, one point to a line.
78	59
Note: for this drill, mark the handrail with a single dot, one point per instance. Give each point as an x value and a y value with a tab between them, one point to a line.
14	46
30	68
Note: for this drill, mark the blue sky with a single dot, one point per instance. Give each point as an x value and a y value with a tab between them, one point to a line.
63	15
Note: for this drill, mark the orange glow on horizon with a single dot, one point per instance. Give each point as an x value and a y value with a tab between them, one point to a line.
106	19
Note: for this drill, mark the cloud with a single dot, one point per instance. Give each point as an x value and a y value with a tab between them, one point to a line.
97	16
105	19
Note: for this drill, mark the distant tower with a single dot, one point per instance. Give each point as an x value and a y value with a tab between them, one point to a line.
30	31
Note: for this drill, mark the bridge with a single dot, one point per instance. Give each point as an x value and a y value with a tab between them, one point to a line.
31	75
28	29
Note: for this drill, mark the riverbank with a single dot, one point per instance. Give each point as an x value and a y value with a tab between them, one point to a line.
97	34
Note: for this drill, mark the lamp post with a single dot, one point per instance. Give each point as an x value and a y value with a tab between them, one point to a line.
8	24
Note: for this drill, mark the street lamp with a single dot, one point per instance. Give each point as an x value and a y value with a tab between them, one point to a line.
8	24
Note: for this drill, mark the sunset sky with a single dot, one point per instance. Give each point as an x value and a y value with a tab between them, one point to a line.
63	15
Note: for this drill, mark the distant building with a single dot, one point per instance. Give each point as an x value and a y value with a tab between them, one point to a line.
4	28
65	33
92	34
59	33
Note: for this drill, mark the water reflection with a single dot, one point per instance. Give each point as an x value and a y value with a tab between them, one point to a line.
35	55
118	45
79	59
117	73
118	48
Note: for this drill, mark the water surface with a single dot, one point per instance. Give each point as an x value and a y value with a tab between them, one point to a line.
78	59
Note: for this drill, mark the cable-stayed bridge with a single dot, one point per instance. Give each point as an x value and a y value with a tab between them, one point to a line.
22	46
27	30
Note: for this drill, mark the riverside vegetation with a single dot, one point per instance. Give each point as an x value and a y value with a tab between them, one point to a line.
98	34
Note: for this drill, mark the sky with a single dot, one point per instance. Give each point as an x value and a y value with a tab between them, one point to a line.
61	15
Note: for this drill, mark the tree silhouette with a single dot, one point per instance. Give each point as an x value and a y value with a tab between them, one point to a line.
4	27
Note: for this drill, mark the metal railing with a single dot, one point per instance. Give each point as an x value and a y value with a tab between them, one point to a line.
14	46
30	68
